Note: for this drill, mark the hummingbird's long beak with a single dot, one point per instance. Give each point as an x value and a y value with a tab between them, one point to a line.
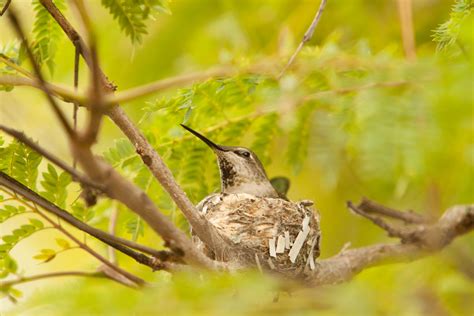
204	139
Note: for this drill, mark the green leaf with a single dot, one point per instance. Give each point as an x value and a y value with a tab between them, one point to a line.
15	292
83	213
12	51
45	255
129	16
20	162
10	239
120	152
63	243
46	34
135	227
37	223
55	186
446	35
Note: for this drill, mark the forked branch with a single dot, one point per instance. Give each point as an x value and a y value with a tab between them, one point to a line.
150	157
418	240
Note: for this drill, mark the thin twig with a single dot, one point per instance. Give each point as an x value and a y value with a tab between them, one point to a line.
134	198
8	61
76	175
76	104
125	278
307	36
405	9
5	7
96	93
371	85
62	118
392	231
160	85
7	284
112	227
111	240
455	222
61	92
369	206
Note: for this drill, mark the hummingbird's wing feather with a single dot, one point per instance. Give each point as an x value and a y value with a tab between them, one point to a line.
281	185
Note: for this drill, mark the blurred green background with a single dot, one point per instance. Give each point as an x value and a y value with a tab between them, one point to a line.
410	146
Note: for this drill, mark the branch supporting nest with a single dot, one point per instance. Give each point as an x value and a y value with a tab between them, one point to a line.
417	239
150	157
418	235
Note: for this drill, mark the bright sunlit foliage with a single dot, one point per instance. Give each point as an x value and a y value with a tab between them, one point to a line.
351	117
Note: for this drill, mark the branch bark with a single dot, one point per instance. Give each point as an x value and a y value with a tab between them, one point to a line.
425	239
115	186
5	7
405	11
7	284
150	157
76	175
118	243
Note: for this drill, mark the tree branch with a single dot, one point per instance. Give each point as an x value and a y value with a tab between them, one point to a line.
117	187
405	9
9	62
7	284
76	175
19	31
5	7
118	243
163	84
307	36
61	92
369	206
153	161
426	239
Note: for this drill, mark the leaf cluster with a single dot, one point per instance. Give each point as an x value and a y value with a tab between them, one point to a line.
132	15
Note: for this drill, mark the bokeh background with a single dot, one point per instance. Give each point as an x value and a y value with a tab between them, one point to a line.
410	146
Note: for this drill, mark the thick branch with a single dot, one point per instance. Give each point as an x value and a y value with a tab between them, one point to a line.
59	91
115	185
118	243
201	227
120	189
456	221
5	7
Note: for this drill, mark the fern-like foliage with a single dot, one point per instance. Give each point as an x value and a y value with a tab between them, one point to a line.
46	34
446	35
55	186
20	161
135	227
14	52
132	15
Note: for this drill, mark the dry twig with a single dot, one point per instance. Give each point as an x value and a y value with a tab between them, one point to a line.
426	239
307	36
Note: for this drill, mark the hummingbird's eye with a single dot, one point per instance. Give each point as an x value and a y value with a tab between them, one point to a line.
243	153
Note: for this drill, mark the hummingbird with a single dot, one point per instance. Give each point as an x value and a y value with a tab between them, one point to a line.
253	212
242	172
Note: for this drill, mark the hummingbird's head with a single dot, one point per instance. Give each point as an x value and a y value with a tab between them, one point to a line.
241	170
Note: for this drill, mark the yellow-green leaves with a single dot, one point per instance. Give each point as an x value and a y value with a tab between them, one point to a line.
55	186
47	34
131	15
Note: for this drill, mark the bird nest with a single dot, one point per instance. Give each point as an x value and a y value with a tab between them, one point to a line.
270	233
